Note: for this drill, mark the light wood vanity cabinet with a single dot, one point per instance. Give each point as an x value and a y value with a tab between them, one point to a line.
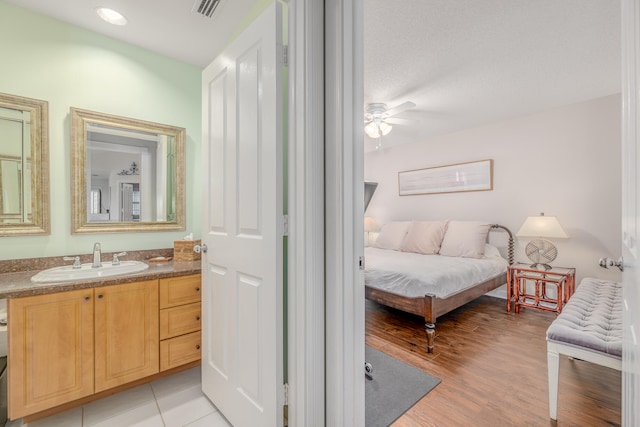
71	345
179	321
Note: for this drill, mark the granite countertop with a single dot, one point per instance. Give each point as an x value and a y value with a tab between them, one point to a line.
16	282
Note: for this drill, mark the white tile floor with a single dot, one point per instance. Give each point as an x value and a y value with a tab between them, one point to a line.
174	401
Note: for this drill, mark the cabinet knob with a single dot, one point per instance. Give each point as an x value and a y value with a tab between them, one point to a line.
197	346
87	298
197	289
197	317
100	296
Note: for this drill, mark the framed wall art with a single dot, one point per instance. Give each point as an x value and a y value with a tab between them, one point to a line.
470	176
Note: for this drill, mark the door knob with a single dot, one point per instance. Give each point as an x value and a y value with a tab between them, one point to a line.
200	248
609	263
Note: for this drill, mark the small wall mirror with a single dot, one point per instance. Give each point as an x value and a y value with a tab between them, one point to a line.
24	166
126	174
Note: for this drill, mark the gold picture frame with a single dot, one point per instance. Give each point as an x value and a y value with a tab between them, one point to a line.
469	176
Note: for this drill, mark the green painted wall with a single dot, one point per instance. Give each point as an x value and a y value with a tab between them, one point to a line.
71	67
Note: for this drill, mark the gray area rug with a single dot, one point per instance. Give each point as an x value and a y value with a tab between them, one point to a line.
394	389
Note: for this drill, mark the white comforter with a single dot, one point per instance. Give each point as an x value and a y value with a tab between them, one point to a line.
414	275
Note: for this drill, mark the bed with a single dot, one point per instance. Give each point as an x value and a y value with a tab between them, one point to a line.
429	268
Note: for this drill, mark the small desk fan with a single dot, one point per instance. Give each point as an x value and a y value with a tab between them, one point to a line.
541	251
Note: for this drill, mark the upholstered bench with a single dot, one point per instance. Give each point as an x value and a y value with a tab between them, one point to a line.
589	328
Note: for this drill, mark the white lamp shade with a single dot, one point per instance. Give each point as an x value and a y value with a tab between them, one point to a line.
371	225
542	226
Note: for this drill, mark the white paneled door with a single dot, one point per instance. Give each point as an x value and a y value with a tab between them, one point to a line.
242	351
631	212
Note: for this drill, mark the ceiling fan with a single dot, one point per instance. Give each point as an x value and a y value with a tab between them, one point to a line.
379	118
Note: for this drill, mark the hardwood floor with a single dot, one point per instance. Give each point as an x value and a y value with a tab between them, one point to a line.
493	367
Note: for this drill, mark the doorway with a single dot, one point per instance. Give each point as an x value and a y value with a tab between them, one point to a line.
437	109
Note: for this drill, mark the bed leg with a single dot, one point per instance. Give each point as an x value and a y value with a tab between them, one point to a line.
430	328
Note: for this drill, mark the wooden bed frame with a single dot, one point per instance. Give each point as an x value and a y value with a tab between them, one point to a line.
430	306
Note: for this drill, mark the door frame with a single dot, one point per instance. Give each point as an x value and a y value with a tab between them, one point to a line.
326	286
630	195
306	248
344	210
325	203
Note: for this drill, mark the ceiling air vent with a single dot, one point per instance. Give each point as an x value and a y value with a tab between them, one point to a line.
205	7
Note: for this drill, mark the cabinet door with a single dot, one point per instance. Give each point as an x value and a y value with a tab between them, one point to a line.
127	343
50	350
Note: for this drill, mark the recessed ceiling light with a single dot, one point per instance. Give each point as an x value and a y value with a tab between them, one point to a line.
111	16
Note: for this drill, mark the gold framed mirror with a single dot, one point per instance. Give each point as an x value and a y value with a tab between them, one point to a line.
24	166
127	175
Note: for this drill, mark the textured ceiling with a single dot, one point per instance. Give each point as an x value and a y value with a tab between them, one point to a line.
463	62
467	63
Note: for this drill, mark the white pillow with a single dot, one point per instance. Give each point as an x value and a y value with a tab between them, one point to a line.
491	251
392	235
424	237
465	239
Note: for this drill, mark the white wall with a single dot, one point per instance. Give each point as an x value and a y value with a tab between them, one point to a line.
564	162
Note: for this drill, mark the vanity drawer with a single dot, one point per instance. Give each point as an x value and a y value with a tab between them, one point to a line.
179	320
179	290
179	350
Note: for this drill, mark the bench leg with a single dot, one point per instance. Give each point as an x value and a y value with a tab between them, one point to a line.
553	364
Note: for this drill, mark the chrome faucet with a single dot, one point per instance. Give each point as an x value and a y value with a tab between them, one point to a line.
97	256
116	258
76	261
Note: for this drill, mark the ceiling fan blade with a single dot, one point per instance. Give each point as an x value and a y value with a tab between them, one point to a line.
399	108
396	121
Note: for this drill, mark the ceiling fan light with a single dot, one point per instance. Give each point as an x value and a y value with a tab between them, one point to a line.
385	128
371	129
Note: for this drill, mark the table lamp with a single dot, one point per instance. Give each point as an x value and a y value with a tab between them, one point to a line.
370	226
541	251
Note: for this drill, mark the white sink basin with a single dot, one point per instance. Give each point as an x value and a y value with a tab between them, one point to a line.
67	273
